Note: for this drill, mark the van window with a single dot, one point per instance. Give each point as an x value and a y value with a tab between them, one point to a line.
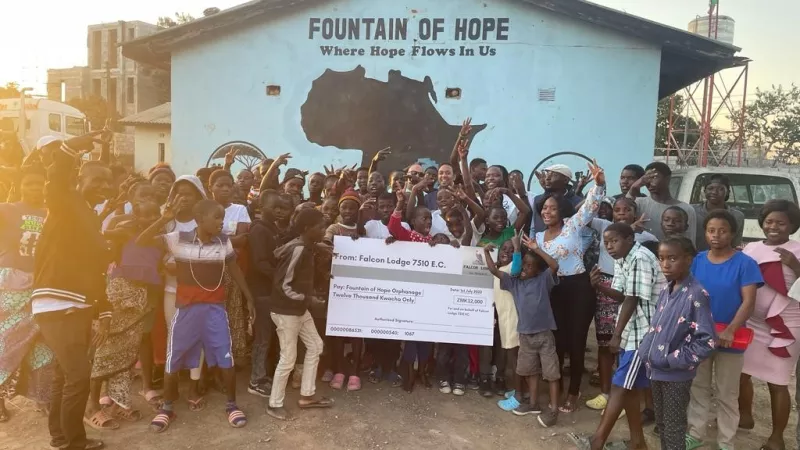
675	185
75	126
54	122
749	192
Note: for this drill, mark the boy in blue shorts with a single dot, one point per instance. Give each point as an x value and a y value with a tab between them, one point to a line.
636	285
201	257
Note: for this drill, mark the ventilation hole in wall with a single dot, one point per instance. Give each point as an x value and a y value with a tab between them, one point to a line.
547	95
453	93
273	90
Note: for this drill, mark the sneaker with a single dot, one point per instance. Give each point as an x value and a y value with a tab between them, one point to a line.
598	403
261	390
472	383
500	387
444	387
525	408
548	418
508	404
693	443
458	389
485	387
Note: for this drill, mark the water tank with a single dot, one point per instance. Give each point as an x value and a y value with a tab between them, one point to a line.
724	32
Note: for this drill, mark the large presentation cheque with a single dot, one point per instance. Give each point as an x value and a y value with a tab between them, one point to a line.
410	291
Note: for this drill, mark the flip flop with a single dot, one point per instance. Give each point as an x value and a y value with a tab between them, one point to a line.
322	402
197	405
101	421
161	421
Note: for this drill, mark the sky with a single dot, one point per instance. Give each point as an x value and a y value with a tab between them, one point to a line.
37	36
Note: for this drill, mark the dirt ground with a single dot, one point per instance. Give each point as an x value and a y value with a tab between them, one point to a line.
378	417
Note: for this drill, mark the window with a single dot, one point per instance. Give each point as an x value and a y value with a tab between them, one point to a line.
161	152
75	126
97	85
54	122
130	91
749	192
675	185
112	48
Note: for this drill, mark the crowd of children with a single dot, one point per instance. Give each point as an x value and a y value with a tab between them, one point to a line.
105	275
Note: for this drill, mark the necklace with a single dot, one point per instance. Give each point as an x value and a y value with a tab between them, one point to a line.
191	269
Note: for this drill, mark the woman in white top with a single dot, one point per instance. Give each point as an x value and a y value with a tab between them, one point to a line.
235	225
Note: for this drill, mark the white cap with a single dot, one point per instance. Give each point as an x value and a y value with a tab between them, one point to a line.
44	141
560	168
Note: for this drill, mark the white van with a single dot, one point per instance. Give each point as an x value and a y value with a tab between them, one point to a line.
43	118
750	189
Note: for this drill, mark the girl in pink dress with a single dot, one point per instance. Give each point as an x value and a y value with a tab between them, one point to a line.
775	349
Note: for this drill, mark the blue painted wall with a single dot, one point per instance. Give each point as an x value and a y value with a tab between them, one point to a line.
605	84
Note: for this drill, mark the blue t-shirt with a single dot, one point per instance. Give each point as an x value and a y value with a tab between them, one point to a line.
724	282
532	299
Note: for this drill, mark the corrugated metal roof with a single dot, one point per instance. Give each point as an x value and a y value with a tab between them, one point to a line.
160	115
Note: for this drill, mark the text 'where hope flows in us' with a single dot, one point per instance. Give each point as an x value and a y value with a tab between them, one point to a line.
424	37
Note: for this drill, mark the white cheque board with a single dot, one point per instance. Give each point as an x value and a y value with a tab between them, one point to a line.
410	291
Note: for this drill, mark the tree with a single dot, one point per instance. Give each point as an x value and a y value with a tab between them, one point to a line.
180	19
96	109
10	90
772	123
679	124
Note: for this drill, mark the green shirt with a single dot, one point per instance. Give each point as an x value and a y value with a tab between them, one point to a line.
507	234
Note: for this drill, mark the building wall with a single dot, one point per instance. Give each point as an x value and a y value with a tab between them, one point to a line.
148	138
603	87
75	80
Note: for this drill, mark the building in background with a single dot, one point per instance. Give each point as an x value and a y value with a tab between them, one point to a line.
152	134
335	81
127	86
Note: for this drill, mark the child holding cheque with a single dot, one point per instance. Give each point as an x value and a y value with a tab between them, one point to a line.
537	349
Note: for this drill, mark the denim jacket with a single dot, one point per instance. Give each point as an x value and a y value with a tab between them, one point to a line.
681	334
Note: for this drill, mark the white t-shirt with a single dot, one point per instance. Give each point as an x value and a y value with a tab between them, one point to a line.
128	208
170	282
234	215
438	225
511	209
377	230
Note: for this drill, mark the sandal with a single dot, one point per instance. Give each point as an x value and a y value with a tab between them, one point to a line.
580	442
568	407
692	443
161	421
236	417
128	415
322	402
101	421
106	401
197	405
153	398
353	384
327	376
